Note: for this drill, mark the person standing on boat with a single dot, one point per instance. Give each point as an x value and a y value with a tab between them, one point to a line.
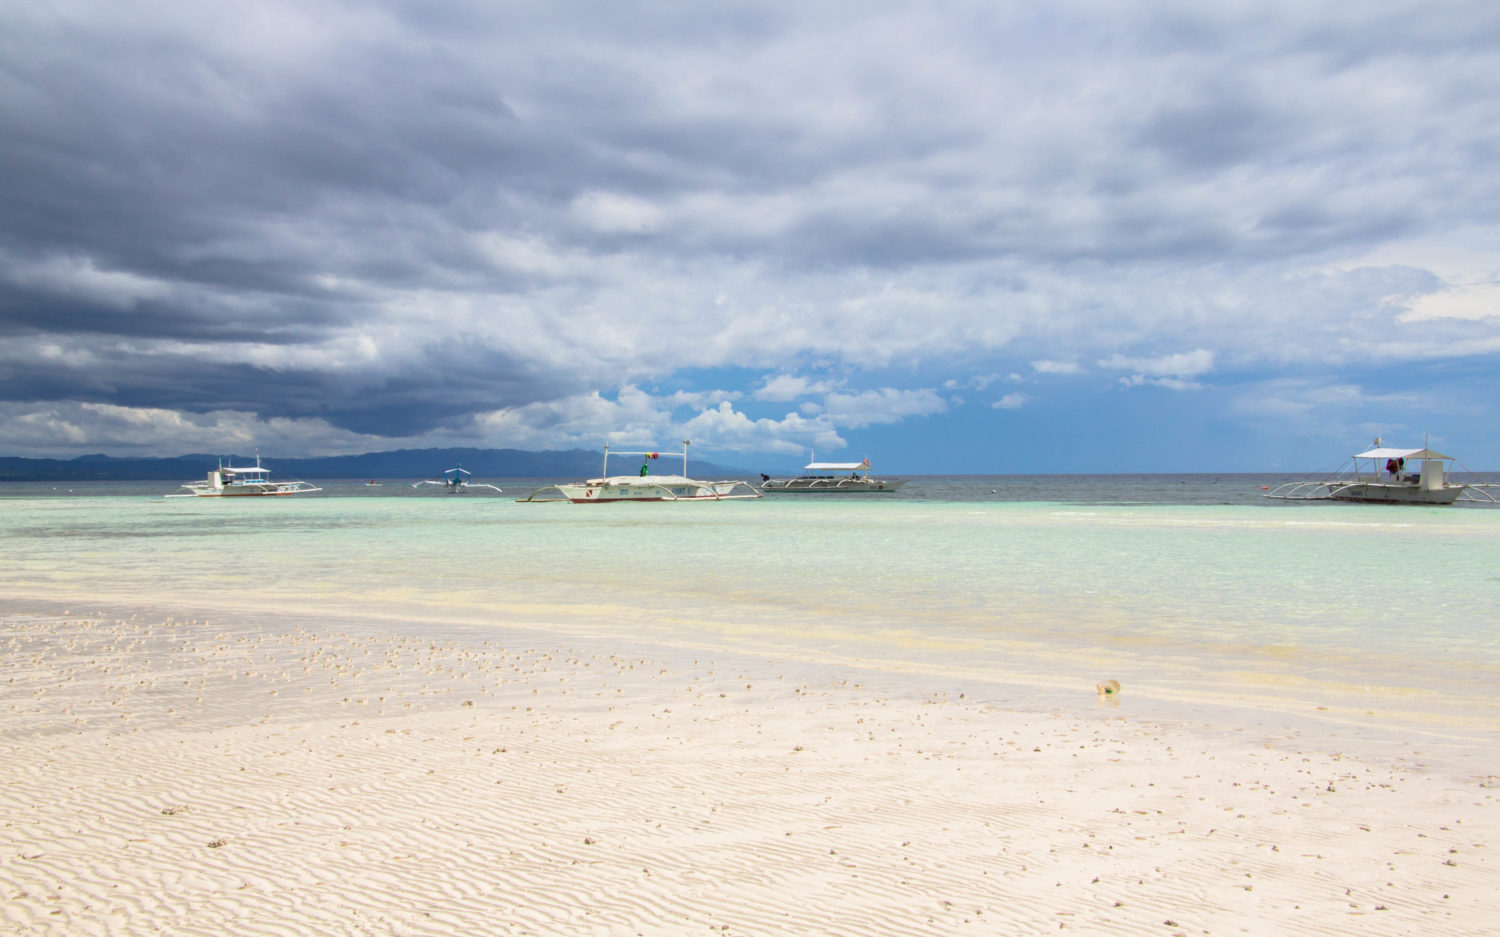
645	467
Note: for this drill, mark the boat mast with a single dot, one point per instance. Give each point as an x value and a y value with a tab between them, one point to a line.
684	458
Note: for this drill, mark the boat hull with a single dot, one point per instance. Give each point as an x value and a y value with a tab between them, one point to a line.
227	481
646	488
1376	493
604	494
830	486
248	492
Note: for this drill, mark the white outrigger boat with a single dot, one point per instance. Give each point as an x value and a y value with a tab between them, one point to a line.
455	480
820	480
644	486
1379	476
230	481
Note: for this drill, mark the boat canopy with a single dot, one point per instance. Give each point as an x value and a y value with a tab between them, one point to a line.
835	466
1383	453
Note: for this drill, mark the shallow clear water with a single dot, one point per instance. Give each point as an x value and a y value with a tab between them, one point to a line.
1190	589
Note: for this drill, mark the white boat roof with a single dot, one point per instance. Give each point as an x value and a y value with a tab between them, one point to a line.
644	480
1384	453
835	466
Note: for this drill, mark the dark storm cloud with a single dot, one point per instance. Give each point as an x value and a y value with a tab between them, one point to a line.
228	192
450	382
1214	133
275	319
173	160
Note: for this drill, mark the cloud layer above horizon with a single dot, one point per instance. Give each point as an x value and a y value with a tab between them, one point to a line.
766	227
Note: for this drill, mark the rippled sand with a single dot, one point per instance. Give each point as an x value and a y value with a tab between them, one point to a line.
193	777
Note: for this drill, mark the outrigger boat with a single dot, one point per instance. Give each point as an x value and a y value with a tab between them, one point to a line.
820	481
644	486
455	480
229	481
1379	476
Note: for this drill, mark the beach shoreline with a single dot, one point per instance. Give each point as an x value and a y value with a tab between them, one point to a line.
208	776
1208	692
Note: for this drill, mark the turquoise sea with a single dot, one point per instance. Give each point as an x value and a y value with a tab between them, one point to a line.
1194	592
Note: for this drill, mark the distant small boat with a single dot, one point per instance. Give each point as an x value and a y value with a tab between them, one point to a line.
1379	476
828	478
455	480
229	481
644	486
372	483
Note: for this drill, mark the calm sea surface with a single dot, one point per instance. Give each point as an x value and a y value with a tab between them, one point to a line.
1192	591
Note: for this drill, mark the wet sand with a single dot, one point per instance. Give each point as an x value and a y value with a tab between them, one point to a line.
204	777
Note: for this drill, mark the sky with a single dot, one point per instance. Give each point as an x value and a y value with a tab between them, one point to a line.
953	237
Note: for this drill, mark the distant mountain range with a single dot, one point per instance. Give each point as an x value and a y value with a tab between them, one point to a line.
402	463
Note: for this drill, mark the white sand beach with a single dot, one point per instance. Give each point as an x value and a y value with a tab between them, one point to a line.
185	777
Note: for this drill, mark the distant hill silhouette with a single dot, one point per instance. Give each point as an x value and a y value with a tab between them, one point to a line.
401	463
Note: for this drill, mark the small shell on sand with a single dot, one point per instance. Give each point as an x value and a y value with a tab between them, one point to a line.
1109	687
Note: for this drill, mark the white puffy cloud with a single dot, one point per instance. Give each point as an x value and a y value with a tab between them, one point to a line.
782	388
732	431
1173	372
1474	301
1180	364
1057	367
34	430
885	405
